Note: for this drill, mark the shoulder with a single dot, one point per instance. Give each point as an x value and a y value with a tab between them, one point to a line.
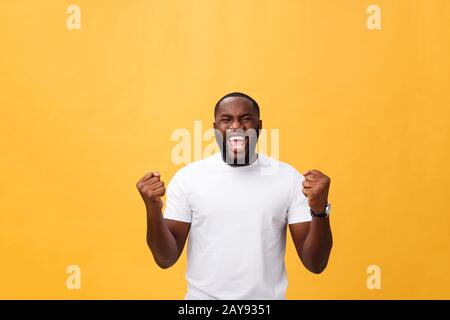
194	168
279	167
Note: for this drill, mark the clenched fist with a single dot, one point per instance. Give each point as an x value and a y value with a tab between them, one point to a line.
152	189
315	188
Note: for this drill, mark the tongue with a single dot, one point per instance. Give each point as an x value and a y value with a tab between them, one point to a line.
237	143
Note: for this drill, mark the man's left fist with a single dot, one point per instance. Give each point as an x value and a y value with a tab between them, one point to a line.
315	188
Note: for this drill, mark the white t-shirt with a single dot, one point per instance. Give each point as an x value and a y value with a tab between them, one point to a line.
238	217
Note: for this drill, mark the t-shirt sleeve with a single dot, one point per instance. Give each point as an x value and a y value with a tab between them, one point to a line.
298	210
177	205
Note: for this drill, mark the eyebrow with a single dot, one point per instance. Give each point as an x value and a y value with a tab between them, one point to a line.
230	115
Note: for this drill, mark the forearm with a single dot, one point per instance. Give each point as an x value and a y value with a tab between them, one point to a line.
317	245
160	240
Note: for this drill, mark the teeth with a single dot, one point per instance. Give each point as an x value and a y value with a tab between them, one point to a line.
237	138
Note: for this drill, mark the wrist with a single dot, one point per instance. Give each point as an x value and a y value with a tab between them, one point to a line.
325	212
153	208
319	209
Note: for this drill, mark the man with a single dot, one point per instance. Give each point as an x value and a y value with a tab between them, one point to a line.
235	211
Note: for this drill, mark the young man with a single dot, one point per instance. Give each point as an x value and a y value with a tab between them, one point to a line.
235	207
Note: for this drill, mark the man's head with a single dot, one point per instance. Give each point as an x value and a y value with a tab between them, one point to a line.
237	124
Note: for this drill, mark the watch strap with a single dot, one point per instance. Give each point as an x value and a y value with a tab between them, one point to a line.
322	214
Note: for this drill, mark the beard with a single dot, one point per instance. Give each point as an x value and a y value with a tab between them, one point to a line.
243	158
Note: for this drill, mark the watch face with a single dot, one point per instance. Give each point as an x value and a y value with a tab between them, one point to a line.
325	213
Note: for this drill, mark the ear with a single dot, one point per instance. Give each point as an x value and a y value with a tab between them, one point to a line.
214	125
260	125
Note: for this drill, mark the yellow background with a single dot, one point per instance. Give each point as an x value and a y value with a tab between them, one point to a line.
85	113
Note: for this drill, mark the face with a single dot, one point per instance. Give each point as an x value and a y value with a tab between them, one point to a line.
237	127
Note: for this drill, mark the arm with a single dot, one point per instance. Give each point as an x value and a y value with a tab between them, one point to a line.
313	240
165	238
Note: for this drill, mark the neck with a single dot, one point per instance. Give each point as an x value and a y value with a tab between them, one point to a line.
249	159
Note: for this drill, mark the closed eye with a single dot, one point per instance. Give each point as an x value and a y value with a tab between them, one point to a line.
226	119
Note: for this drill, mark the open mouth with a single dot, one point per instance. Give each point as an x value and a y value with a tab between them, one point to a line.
237	143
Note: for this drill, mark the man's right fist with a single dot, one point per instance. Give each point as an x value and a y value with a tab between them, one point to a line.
152	189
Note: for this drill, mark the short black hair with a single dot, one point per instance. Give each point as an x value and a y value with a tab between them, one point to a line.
237	94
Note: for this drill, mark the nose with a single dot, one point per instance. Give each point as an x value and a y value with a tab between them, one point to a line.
236	124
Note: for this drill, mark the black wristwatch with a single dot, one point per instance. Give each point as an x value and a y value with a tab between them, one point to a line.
323	214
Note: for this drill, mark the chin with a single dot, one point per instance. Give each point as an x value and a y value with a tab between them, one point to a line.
232	156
